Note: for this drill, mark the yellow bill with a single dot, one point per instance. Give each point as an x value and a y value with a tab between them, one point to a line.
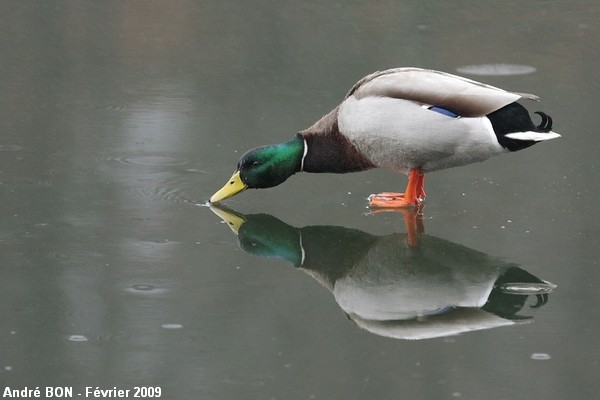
233	186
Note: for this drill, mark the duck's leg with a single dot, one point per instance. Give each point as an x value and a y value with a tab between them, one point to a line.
421	187
410	198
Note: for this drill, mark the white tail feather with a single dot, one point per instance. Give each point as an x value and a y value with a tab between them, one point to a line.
533	136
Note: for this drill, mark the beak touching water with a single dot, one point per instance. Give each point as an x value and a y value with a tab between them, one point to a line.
233	186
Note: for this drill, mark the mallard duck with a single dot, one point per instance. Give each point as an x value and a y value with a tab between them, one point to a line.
407	120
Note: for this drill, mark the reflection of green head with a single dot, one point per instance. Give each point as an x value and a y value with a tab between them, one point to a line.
264	235
267	236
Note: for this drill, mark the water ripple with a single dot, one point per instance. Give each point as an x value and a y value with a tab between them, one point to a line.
171	326
116	107
114	337
162	192
152	160
145	289
10	147
77	338
496	69
74	256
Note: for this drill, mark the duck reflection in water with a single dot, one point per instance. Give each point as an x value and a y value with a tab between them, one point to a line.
395	285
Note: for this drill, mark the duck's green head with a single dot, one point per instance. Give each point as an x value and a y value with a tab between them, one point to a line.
264	167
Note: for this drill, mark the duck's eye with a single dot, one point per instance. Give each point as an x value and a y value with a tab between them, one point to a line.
247	164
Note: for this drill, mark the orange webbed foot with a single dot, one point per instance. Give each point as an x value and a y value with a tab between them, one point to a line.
414	195
392	200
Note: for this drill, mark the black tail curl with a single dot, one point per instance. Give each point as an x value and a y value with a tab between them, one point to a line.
514	118
546	124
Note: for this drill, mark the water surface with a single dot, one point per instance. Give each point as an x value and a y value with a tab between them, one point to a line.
118	121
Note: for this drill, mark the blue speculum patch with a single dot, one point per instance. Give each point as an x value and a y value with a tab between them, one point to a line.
444	111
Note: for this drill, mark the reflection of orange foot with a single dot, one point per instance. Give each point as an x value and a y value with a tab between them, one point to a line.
413	221
415	228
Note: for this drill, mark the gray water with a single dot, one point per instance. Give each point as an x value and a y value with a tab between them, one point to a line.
118	120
